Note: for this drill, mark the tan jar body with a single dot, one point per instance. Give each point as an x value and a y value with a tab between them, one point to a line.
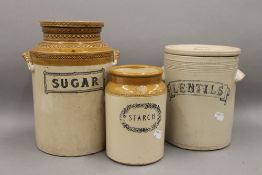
135	116
69	123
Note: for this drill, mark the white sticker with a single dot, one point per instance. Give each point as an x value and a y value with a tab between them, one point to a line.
157	134
219	116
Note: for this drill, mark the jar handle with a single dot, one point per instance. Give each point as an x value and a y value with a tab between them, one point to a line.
27	58
163	75
116	57
239	75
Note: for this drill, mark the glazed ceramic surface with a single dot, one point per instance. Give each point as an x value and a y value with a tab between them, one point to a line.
135	114
201	82
69	72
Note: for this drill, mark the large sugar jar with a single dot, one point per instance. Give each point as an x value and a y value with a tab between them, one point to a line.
69	71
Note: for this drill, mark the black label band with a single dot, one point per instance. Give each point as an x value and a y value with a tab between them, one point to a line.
74	82
199	88
140	117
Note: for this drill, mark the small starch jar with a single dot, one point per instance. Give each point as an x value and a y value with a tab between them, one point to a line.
135	114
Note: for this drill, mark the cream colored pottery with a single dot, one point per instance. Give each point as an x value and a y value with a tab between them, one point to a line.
69	71
135	114
201	82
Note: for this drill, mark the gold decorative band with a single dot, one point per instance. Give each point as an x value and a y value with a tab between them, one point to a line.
136	80
136	93
71	45
71	59
71	37
136	86
71	24
58	30
135	90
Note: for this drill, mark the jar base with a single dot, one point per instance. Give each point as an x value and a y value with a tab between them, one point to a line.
134	164
70	155
194	148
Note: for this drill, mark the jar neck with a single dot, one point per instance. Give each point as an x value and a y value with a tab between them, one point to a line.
135	80
71	34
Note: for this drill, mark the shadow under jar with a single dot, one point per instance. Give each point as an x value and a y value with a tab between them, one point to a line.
69	71
135	114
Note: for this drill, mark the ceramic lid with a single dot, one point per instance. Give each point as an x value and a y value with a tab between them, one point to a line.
202	50
136	71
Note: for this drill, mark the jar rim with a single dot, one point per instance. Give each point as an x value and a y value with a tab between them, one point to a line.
68	23
126	70
202	50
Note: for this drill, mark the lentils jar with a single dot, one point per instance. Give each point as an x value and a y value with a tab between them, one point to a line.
135	114
201	82
69	71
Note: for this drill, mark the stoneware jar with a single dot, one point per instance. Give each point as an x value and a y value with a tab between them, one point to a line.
69	71
201	82
135	114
